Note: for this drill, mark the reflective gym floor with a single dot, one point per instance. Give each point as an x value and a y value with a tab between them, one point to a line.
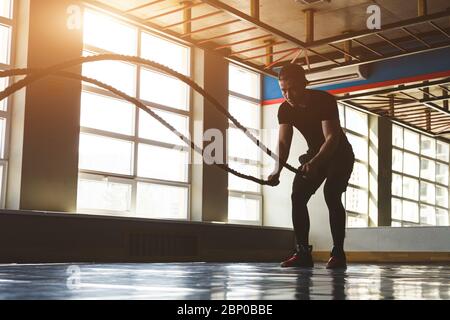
252	281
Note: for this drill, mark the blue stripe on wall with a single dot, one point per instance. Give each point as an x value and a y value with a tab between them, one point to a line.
408	66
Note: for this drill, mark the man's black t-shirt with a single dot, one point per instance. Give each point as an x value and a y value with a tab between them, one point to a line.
319	106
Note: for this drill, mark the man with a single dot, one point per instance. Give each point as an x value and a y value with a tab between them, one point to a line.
330	156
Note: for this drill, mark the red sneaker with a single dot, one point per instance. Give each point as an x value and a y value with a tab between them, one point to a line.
300	259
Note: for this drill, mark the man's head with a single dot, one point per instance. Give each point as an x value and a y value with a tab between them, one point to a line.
292	81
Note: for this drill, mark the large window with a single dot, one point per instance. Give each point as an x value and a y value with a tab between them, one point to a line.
356	198
245	199
420	177
129	163
6	31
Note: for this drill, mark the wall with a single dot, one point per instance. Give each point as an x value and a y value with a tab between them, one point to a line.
277	213
32	237
52	113
277	200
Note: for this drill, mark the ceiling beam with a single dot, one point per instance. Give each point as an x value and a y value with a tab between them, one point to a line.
392	26
261	25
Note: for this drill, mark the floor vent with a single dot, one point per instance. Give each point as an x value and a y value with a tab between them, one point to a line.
154	245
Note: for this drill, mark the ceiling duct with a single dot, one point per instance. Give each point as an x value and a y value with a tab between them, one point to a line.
341	75
311	1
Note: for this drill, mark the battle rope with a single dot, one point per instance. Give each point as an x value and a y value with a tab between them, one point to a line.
36	74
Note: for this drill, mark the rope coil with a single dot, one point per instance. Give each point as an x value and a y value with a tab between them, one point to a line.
33	75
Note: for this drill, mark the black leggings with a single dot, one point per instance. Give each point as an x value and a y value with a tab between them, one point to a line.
337	177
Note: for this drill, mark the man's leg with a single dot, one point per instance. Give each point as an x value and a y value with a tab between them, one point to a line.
337	214
302	190
335	186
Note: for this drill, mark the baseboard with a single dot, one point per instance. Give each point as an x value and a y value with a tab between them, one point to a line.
388	257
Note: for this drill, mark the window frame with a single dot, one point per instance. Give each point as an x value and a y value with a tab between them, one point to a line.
365	216
133	178
419	178
258	163
4	160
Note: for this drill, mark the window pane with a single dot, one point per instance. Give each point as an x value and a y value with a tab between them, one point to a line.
3	103
356	200
397	136
107	33
410	211
427	215
427	192
360	175
165	52
397	185
2	137
412	142
150	128
109	114
428	146
356	222
410	188
245	112
360	146
244	82
442	196
442	218
239	184
341	109
5	8
239	145
4	44
442	151
442	173
427	169
159	201
396	209
356	121
103	195
164	90
105	154
411	164
397	160
162	163
117	74
396	224
242	208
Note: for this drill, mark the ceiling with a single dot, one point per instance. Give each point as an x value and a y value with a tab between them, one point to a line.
340	38
286	17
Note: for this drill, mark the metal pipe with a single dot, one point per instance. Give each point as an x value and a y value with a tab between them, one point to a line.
211	27
143	6
416	37
174	11
256	48
269	54
344	52
309	25
254	9
192	19
367	47
242	41
390	42
226	35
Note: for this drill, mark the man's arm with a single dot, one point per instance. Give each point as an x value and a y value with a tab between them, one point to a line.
284	145
332	132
